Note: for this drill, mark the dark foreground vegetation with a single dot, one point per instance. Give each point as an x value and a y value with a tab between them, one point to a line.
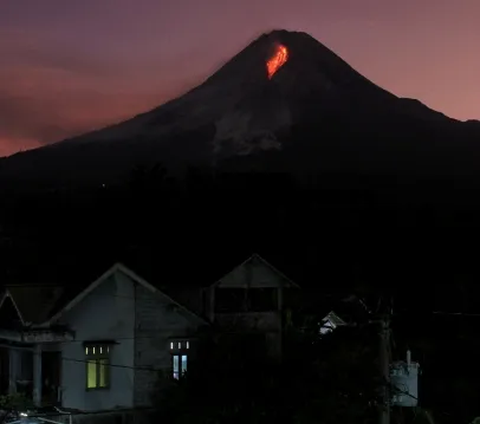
326	380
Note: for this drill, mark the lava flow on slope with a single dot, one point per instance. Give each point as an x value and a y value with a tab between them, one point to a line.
277	60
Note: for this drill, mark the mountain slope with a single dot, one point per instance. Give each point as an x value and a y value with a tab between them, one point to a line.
315	112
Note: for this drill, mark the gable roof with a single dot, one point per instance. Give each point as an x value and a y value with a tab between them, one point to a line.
35	303
252	260
7	299
334	319
118	267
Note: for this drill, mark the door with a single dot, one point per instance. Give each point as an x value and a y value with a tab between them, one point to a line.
51	378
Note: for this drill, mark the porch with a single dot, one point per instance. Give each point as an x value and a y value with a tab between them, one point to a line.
30	365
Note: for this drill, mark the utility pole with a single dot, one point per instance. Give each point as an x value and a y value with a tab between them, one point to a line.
384	360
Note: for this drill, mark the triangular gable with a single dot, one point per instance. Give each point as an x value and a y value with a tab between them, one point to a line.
334	319
8	309
35	303
330	322
255	272
118	267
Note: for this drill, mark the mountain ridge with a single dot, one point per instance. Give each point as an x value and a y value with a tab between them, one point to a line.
239	111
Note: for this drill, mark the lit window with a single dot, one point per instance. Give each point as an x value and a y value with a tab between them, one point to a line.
98	366
176	366
179	365
179	345
179	357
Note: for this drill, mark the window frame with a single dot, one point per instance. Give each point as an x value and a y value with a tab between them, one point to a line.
103	355
179	349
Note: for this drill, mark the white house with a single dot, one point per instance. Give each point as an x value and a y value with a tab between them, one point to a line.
102	349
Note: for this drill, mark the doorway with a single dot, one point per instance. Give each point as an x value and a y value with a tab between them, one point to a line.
51	378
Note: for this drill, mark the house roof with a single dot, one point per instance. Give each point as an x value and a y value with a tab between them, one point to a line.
40	302
334	319
118	267
35	303
254	260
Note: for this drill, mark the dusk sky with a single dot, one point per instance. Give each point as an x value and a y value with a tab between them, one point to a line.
70	66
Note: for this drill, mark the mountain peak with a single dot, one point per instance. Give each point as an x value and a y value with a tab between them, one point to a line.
298	65
284	92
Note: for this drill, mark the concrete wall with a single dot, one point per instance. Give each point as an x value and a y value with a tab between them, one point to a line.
106	313
158	320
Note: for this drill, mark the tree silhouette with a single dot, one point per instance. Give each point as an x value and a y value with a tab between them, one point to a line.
326	380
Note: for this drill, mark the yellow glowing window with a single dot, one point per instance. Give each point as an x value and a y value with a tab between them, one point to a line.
91	374
98	366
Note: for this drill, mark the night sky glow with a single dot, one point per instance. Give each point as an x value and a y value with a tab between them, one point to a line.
71	66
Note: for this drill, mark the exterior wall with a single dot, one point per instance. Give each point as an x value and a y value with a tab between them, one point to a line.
156	316
108	313
260	321
267	323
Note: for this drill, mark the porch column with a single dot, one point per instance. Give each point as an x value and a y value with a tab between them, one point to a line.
37	374
13	369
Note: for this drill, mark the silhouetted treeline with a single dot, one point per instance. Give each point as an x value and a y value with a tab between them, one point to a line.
346	227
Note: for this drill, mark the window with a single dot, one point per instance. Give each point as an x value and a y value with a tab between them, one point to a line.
179	350
98	366
179	365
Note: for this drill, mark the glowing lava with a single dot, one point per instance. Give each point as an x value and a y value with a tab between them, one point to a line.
278	59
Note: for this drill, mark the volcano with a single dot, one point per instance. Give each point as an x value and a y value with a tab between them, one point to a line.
286	102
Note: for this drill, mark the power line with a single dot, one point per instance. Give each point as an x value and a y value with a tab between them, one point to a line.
465	314
130	367
446	313
87	361
93	341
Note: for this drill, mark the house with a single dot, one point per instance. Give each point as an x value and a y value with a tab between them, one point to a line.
101	348
330	323
250	299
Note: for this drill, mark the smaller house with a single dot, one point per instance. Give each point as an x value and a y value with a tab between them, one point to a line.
330	323
251	299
